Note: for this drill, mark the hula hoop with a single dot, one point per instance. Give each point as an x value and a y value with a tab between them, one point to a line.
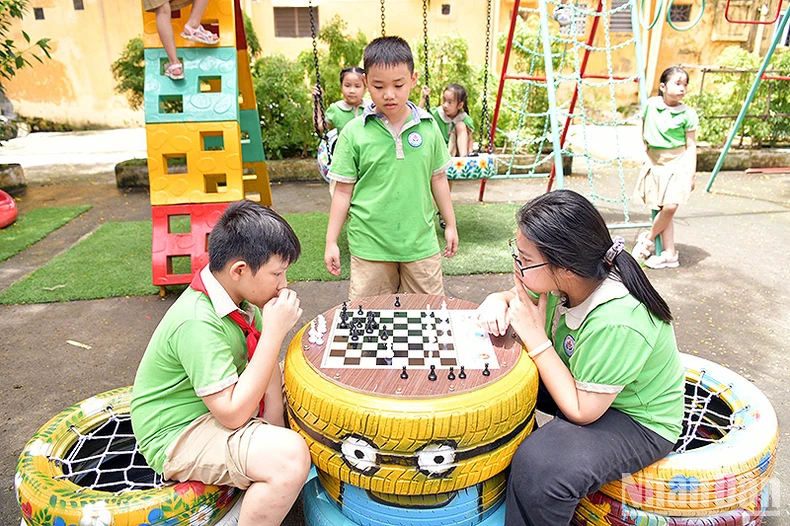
655	19
48	497
730	470
691	24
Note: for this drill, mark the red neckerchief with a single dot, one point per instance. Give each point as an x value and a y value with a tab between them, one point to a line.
250	332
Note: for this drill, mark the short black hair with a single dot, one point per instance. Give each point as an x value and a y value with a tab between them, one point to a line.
388	52
252	233
353	69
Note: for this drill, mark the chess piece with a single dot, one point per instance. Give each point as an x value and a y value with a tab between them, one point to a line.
360	311
486	372
462	374
451	376
383	333
354	334
432	374
343	324
369	328
403	373
397	301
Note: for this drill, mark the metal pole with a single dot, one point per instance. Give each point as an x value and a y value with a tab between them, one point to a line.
745	107
549	66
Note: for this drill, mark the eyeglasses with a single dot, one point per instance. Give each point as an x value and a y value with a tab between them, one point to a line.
514	253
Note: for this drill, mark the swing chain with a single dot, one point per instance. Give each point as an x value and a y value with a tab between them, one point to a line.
318	100
425	52
484	120
383	22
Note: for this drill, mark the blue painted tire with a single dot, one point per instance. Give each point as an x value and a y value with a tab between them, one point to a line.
321	510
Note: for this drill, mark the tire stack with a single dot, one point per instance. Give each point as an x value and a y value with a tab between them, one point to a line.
385	460
719	471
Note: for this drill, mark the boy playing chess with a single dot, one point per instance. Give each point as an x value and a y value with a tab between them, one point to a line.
201	383
390	165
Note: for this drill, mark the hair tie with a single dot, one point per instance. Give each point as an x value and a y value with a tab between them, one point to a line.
617	247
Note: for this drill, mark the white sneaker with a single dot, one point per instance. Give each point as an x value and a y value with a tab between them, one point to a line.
663	261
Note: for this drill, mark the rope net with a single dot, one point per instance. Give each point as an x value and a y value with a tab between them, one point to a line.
108	459
706	418
585	90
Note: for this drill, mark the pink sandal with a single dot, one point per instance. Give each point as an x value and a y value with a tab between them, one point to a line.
200	35
174	71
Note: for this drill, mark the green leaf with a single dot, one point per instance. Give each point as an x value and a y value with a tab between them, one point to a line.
26	37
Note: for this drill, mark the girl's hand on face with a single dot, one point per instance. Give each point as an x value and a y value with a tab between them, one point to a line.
528	319
492	315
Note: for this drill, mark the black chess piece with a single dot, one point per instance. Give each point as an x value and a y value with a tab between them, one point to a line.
369	328
486	372
432	374
360	311
397	301
403	373
343	324
354	334
462	374
451	376
345	306
383	333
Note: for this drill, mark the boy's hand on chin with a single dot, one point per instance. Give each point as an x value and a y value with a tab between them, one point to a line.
281	313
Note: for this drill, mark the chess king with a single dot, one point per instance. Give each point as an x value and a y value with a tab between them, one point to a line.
401	445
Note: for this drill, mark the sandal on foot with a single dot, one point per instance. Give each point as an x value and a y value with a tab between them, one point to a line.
663	261
200	35
174	71
642	248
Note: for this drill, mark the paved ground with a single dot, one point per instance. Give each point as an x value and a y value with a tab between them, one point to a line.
729	298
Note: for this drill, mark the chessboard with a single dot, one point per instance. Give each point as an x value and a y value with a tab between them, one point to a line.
415	339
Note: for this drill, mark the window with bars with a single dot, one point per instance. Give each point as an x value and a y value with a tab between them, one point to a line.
78	5
620	22
38	13
578	25
680	13
294	22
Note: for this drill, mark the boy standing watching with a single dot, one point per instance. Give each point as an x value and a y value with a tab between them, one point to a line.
211	360
390	165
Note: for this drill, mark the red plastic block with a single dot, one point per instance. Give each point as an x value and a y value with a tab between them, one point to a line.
192	243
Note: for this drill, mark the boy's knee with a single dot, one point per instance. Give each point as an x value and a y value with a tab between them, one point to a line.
287	459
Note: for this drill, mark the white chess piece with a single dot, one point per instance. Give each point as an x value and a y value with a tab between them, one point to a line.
444	306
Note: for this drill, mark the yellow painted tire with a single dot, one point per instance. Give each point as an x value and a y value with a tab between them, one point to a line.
410	446
46	500
724	475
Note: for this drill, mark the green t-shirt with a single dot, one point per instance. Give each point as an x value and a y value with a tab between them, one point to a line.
341	113
612	344
445	123
193	353
665	127
391	217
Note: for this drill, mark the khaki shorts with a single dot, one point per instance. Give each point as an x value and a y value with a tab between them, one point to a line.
374	278
175	5
211	453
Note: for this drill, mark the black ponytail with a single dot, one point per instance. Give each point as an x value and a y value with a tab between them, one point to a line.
572	235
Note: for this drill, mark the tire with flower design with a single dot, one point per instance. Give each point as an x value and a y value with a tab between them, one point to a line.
598	509
724	458
83	467
482	166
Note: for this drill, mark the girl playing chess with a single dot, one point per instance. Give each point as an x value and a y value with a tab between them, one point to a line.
601	338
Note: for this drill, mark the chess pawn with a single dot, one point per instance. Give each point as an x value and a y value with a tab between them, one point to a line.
397	301
403	373
432	374
451	376
462	374
486	372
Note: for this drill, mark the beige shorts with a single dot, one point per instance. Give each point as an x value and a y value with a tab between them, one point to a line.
665	178
211	453
374	278
175	5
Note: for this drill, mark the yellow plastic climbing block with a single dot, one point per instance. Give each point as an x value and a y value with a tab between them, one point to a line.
218	19
194	162
256	183
247	99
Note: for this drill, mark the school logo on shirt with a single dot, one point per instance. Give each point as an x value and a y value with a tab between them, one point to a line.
415	139
568	345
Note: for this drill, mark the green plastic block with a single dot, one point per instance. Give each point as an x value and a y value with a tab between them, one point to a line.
251	141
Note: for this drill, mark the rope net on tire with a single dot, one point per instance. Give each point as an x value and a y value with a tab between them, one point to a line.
108	459
707	418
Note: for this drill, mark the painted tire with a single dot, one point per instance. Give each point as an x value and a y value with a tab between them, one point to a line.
326	149
724	475
321	510
8	209
481	166
415	446
47	500
599	509
469	506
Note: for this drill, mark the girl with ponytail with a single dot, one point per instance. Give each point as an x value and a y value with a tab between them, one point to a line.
601	339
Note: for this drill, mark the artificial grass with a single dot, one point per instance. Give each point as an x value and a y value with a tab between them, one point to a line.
35	226
116	259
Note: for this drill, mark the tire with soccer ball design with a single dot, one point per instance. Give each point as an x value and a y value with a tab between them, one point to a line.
46	498
738	433
410	445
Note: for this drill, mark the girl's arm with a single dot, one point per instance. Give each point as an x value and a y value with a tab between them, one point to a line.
426	92
691	151
462	137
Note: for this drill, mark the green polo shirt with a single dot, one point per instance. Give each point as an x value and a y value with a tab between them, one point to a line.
665	127
391	217
446	123
611	343
194	352
340	113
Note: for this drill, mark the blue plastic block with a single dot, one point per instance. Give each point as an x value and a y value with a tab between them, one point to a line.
251	142
209	91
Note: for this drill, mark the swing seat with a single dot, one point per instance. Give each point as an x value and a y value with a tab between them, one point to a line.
326	148
482	166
